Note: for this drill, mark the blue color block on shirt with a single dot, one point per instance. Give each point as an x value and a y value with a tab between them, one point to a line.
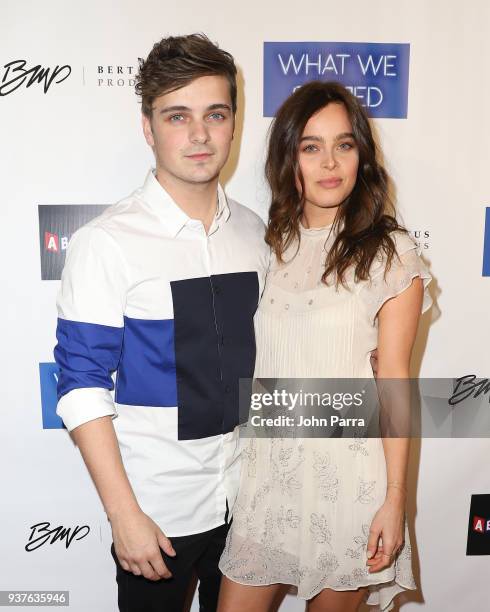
146	375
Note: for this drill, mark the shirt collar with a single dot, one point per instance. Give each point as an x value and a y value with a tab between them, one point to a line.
173	217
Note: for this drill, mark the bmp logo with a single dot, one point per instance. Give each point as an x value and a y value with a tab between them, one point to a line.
48	375
376	73
53	243
486	245
478	526
16	73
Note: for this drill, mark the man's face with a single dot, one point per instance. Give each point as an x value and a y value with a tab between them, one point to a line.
191	130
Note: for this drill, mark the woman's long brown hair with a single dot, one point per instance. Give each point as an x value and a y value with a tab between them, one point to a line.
364	220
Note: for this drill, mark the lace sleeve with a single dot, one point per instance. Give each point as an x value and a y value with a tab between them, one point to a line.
405	266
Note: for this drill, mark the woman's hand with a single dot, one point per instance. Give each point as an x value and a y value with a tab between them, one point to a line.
389	525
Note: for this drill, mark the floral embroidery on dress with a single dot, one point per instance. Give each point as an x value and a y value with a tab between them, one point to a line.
345	580
285	455
325	473
289	519
365	491
360	573
361	541
268	536
359	446
327	562
259	494
250	458
283	475
319	529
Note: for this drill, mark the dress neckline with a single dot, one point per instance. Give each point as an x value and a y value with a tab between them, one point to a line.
315	231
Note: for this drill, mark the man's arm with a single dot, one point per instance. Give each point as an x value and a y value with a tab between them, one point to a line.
90	330
134	533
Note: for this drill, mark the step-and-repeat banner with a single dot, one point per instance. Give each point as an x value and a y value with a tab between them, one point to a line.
71	143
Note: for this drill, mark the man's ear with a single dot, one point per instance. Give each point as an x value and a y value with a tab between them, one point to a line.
147	130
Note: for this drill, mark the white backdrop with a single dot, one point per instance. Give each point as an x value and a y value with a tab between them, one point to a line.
81	143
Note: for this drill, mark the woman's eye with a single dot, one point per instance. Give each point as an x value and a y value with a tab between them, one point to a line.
346	146
310	148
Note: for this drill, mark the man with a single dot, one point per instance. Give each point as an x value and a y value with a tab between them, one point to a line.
162	288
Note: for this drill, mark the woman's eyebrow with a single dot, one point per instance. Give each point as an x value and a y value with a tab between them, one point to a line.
314	138
344	135
320	139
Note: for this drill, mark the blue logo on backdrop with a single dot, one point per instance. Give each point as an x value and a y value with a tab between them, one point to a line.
48	373
486	245
376	73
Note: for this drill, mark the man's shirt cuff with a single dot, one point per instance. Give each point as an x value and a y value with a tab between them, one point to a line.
82	405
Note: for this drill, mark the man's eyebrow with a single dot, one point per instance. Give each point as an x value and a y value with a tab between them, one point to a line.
320	139
172	109
220	105
182	109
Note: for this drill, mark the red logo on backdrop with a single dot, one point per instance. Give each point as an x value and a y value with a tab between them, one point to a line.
57	223
51	242
481	525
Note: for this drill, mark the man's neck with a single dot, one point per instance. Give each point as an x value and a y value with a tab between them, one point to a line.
197	200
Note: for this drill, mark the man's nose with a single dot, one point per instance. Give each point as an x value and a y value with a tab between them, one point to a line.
199	132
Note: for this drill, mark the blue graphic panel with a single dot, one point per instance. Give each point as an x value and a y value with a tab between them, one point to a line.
48	375
376	73
146	374
87	354
486	245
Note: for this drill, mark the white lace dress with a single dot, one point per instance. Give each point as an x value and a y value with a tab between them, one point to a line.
305	506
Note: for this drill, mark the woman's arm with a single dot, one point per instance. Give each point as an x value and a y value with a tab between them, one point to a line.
397	327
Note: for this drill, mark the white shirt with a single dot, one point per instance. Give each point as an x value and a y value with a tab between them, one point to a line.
146	293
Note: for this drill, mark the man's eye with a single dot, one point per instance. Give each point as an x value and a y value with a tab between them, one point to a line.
176	118
218	116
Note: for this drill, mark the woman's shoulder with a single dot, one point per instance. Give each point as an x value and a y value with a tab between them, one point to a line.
403	241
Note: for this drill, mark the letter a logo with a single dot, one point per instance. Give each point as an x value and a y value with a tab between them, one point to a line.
51	242
478	523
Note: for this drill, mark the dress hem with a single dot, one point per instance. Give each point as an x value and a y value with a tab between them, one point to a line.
326	586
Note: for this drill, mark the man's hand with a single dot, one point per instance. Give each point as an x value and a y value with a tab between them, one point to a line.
137	539
374	362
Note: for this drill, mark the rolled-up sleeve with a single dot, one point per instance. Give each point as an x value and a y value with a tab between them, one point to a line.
90	328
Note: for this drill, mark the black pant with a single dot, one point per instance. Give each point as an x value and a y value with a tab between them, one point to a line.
197	553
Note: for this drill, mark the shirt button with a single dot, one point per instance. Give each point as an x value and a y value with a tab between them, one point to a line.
217	290
227	389
286	306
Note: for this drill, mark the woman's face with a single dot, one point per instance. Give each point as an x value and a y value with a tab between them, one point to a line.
328	157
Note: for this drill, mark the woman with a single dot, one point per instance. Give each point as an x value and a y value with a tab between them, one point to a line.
327	515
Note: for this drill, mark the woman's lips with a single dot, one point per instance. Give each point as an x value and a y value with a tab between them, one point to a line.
330	183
